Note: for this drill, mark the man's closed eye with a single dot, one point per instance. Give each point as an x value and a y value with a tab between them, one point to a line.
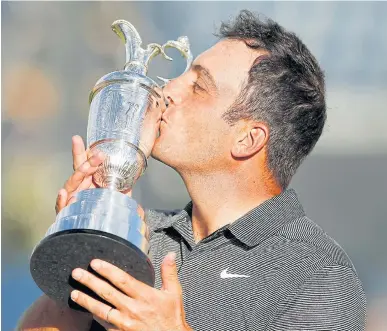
198	88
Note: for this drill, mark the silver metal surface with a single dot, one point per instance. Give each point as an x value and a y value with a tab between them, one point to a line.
122	124
121	105
116	126
104	210
183	46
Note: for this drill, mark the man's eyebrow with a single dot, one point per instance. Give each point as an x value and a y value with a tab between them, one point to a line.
204	72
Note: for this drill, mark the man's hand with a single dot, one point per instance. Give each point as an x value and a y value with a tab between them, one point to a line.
85	164
47	315
138	306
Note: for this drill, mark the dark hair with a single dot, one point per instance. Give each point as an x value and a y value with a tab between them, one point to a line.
285	89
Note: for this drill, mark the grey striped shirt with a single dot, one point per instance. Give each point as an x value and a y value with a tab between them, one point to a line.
272	269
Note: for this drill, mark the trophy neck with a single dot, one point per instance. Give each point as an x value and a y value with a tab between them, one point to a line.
123	165
112	183
136	67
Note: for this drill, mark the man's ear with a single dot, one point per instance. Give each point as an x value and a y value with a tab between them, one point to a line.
250	140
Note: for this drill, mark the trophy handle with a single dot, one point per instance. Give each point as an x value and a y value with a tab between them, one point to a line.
183	46
132	40
137	58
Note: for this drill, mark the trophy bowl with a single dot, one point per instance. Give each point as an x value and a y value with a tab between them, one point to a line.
103	222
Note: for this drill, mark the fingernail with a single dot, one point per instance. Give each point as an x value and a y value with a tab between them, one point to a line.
77	274
171	258
74	295
96	264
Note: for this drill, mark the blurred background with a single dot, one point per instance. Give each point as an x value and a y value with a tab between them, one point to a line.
54	52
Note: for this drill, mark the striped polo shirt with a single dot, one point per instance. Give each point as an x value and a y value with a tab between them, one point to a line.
271	269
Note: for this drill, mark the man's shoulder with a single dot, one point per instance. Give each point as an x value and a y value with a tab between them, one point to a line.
323	286
308	262
313	237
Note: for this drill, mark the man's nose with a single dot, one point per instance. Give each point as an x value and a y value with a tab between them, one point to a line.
173	92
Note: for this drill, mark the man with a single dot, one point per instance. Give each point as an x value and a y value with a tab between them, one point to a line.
244	256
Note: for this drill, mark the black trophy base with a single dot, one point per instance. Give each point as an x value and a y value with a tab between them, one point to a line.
59	254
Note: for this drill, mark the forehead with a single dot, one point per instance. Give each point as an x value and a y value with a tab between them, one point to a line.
229	62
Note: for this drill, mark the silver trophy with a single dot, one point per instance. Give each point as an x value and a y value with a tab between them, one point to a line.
103	222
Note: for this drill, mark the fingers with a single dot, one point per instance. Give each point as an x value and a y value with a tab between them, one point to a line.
119	278
141	212
61	200
79	152
169	274
102	288
81	179
86	169
97	308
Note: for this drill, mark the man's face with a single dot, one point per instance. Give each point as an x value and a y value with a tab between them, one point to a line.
193	134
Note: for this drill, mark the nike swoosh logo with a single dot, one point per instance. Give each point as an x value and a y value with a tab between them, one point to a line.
225	274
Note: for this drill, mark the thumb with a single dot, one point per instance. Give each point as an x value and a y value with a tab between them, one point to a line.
169	274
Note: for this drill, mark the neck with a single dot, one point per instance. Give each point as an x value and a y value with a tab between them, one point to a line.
219	199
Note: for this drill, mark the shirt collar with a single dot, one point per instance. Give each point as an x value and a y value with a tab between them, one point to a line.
171	220
267	218
258	224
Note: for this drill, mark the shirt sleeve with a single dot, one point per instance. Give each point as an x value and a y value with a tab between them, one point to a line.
332	299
